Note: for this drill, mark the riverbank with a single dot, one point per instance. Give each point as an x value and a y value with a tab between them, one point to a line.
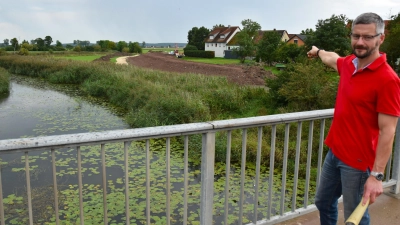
4	82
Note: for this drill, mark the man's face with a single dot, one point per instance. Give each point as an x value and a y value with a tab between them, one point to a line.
365	41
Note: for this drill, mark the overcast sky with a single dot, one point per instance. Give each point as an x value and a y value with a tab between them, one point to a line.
156	21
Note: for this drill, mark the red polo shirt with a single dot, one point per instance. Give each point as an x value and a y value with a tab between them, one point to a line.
363	94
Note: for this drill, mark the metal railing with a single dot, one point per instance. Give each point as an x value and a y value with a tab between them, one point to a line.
264	204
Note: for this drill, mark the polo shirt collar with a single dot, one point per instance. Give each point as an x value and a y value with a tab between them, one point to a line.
373	65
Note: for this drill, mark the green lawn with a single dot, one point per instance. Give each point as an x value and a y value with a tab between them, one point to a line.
219	61
114	59
146	50
83	57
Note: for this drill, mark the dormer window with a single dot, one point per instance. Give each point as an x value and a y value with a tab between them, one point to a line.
212	37
222	36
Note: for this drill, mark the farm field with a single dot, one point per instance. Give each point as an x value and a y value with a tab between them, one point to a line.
240	74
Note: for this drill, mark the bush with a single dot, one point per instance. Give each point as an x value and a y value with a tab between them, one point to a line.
23	51
3	51
77	48
200	54
189	48
304	86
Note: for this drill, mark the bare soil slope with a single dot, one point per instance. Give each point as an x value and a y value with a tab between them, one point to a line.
240	74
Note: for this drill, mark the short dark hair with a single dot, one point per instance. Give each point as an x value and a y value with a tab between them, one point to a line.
368	18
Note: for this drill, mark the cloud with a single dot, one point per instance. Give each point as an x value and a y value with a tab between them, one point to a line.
9	31
35	8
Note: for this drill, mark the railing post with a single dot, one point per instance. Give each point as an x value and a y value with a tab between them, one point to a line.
207	178
396	162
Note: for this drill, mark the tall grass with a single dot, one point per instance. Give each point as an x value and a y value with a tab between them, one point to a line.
4	82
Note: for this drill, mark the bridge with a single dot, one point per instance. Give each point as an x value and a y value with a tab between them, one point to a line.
278	195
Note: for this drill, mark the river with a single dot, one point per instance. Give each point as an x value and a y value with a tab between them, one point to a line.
37	108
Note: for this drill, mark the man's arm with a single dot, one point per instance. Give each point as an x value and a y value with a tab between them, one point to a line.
328	58
387	128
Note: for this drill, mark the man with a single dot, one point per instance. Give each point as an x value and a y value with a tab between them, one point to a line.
364	122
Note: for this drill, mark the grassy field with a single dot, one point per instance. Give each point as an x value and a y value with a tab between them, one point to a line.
146	50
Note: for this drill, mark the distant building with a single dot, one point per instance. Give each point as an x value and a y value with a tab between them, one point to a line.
297	39
219	38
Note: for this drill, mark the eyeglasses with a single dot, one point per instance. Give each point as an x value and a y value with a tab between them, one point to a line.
364	37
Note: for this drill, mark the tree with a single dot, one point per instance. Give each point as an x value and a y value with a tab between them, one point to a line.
134	47
6	42
289	52
47	41
14	43
121	45
143	44
266	49
391	44
77	48
308	31
27	46
107	45
97	48
196	37
331	34
59	46
40	44
246	39
217	25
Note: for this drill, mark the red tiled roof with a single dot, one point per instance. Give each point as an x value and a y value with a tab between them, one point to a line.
217	32
300	36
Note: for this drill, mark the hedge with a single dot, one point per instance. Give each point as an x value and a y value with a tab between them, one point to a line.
200	54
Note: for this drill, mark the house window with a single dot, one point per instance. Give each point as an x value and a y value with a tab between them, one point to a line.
229	48
295	41
207	45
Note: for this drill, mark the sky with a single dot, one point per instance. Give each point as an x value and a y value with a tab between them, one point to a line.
167	21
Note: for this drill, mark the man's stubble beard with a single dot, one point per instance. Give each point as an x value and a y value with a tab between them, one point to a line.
366	54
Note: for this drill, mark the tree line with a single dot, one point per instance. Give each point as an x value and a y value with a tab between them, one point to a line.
45	44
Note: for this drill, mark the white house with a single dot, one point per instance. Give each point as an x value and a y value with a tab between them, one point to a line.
219	38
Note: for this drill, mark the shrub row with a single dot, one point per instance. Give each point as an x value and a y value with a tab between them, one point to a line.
200	54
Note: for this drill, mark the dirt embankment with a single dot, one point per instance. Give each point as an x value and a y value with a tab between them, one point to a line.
240	74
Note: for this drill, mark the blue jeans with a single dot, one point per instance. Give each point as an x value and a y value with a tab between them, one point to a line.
339	179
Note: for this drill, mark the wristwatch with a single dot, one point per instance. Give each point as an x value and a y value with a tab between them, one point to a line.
377	175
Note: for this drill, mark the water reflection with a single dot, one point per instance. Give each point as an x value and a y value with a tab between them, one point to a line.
36	108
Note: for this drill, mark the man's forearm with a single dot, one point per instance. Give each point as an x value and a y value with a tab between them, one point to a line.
383	151
328	58
387	129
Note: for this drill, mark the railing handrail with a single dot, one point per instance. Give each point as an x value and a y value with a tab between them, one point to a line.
208	131
68	140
